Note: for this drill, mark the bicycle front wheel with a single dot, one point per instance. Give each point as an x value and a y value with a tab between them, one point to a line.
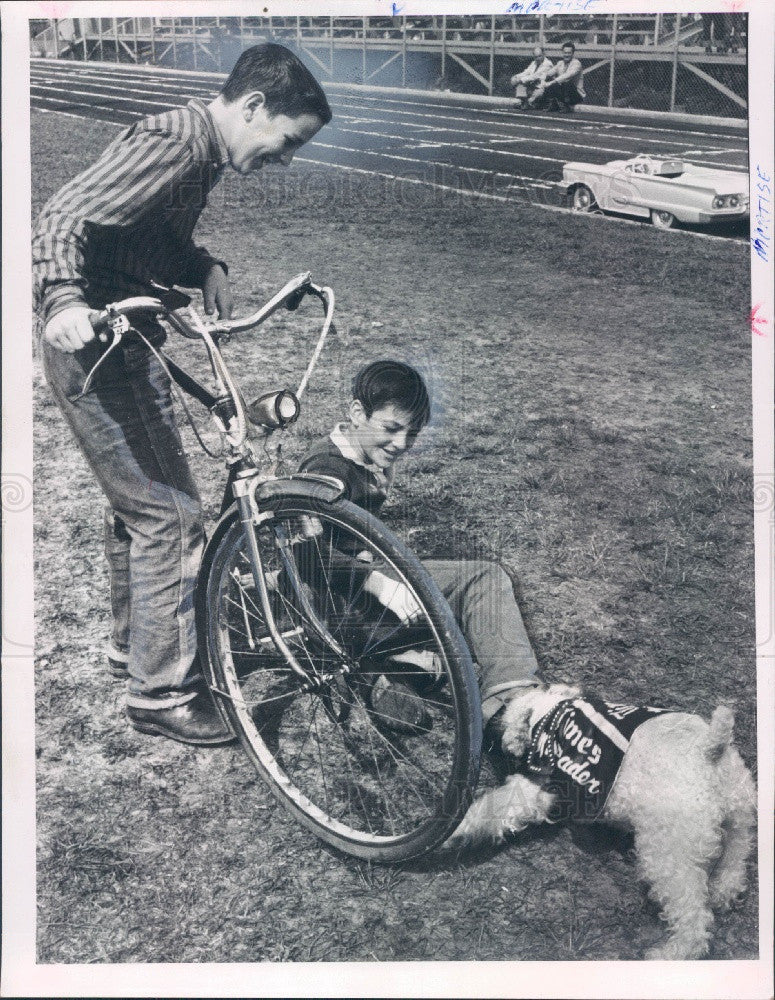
379	755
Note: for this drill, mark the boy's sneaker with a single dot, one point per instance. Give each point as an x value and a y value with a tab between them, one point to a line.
397	707
420	666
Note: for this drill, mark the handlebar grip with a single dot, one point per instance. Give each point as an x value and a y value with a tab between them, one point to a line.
99	322
294	300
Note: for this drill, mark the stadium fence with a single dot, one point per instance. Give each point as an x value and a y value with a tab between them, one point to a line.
692	63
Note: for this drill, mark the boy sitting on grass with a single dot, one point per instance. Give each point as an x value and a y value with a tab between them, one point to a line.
390	406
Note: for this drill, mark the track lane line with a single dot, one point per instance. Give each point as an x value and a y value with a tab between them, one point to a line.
213	85
146	102
437	185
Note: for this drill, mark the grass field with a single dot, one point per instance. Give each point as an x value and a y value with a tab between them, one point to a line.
592	431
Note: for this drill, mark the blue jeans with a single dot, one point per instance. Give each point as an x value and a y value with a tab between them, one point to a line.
154	530
481	596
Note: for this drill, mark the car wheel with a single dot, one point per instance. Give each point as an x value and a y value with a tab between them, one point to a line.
583	200
662	220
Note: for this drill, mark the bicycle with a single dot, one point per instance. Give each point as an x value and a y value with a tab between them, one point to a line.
292	644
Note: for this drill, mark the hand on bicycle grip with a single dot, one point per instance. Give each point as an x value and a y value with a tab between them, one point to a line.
70	329
216	291
394	595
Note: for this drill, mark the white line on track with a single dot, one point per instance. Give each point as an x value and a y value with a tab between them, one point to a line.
704	152
428	163
575	118
414	144
497	138
90	93
503	139
417	180
153	88
445	187
562	131
516	201
148	102
75	114
351	102
86	106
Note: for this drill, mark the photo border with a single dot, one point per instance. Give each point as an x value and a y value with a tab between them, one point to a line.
21	976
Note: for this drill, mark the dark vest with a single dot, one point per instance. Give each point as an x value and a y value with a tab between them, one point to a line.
577	749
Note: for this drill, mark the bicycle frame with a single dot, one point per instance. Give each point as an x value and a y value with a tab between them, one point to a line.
228	411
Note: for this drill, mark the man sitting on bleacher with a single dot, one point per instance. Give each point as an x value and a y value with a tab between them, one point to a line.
531	77
563	85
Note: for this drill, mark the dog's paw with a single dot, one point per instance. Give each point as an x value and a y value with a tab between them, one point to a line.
675	949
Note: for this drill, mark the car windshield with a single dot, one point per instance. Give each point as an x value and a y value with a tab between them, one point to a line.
659	169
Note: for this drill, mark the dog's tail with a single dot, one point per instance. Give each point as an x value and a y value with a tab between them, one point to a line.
722	725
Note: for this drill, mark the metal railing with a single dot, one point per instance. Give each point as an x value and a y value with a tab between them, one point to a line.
690	62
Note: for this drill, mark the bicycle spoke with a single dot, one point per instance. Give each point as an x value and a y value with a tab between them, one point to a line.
359	775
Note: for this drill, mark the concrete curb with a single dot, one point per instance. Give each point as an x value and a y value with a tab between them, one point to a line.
673	117
508	102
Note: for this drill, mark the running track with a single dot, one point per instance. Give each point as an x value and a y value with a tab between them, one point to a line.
490	150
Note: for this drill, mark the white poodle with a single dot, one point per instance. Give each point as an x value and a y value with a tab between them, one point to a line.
681	787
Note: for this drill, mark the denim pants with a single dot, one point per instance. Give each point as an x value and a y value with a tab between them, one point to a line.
154	530
481	596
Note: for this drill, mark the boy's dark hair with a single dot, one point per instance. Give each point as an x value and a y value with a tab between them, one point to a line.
568	45
286	83
387	382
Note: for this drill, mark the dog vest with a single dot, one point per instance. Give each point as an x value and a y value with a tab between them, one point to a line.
577	749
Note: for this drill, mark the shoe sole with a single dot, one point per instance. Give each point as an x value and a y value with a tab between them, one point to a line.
383	718
149	729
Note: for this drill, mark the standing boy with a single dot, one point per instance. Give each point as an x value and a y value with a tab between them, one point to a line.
390	406
123	223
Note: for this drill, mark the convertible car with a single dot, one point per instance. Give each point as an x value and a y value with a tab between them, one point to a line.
665	190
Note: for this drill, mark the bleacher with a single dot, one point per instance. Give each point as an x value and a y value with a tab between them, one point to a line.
671	62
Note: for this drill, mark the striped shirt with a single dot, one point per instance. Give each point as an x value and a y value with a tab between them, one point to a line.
128	219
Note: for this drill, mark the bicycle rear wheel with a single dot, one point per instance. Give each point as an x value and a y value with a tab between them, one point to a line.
343	758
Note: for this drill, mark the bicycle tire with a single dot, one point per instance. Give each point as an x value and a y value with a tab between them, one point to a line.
330	757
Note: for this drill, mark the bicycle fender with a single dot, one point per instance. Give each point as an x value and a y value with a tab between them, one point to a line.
300	484
303	484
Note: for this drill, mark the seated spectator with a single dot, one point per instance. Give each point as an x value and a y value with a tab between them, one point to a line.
563	86
531	77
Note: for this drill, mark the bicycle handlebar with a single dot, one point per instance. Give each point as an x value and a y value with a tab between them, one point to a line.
100	321
290	295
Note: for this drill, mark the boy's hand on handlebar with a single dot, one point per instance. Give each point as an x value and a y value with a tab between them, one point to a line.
70	329
217	293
